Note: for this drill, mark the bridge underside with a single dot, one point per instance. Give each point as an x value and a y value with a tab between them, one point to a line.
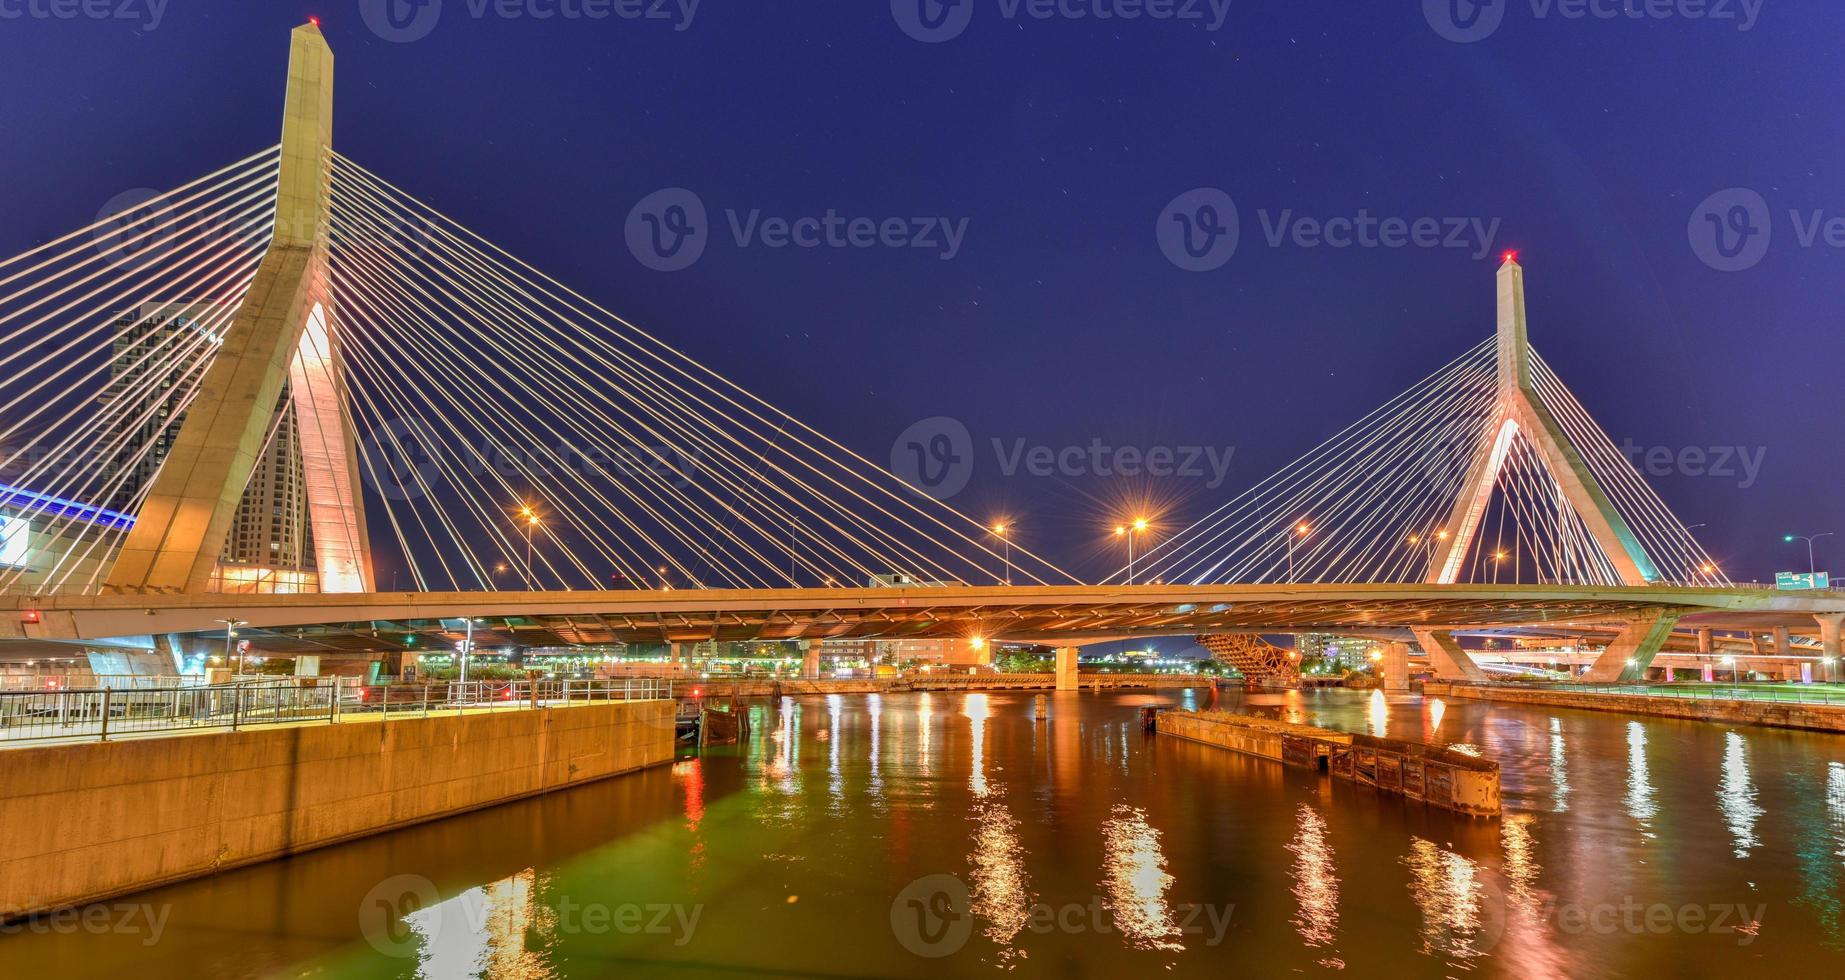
1049	614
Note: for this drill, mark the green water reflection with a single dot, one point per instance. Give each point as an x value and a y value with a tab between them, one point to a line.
954	834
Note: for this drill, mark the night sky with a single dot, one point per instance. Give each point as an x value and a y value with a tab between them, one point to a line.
1589	145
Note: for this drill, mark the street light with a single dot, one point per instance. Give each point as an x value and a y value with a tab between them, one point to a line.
1004	532
230	633
1139	526
1428	542
1812	566
1300	530
531	519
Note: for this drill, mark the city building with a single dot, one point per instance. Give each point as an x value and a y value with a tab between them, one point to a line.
1349	652
269	547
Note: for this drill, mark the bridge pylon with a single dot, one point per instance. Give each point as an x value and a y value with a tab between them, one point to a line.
1523	414
284	333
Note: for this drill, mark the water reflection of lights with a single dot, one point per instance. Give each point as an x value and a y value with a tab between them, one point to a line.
1736	795
1559	770
1459	917
975	708
1835	803
1437	708
787	738
1379	714
1316	880
1001	892
1466	748
690	775
1521	866
874	704
1640	794
1134	876
483	932
923	721
836	784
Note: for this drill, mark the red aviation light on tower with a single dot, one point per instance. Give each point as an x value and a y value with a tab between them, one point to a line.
1511	256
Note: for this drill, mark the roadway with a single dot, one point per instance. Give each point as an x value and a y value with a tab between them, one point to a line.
1068	615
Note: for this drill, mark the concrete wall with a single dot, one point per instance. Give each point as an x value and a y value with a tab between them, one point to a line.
1807	717
1262	737
91	821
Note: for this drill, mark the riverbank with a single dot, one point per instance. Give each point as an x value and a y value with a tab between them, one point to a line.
1767	714
87	822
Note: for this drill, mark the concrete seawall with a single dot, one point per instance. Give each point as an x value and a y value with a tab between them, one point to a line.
1295	745
1806	717
91	821
1421	772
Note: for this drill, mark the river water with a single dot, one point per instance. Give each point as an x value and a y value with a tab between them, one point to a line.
923	835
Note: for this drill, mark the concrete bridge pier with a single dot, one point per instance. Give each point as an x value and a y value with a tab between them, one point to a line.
810	659
1396	668
1829	646
1451	663
1066	669
1640	642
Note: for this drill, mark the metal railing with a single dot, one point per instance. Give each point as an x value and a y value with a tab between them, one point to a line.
84	682
1772	693
102	713
406	700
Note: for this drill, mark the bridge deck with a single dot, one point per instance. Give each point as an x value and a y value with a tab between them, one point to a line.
1043	613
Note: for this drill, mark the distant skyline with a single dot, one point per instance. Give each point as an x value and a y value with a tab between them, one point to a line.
967	228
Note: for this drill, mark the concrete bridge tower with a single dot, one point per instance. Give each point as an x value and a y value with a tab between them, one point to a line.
283	334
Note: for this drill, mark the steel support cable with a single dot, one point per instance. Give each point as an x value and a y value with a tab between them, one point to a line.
1668	538
56	527
1260	501
1254	513
1197	543
666	395
1661	530
154	379
1371	530
273	151
784	516
499	344
485	403
514	422
68	356
250	203
709	381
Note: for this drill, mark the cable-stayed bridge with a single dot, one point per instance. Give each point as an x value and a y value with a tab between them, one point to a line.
226	404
